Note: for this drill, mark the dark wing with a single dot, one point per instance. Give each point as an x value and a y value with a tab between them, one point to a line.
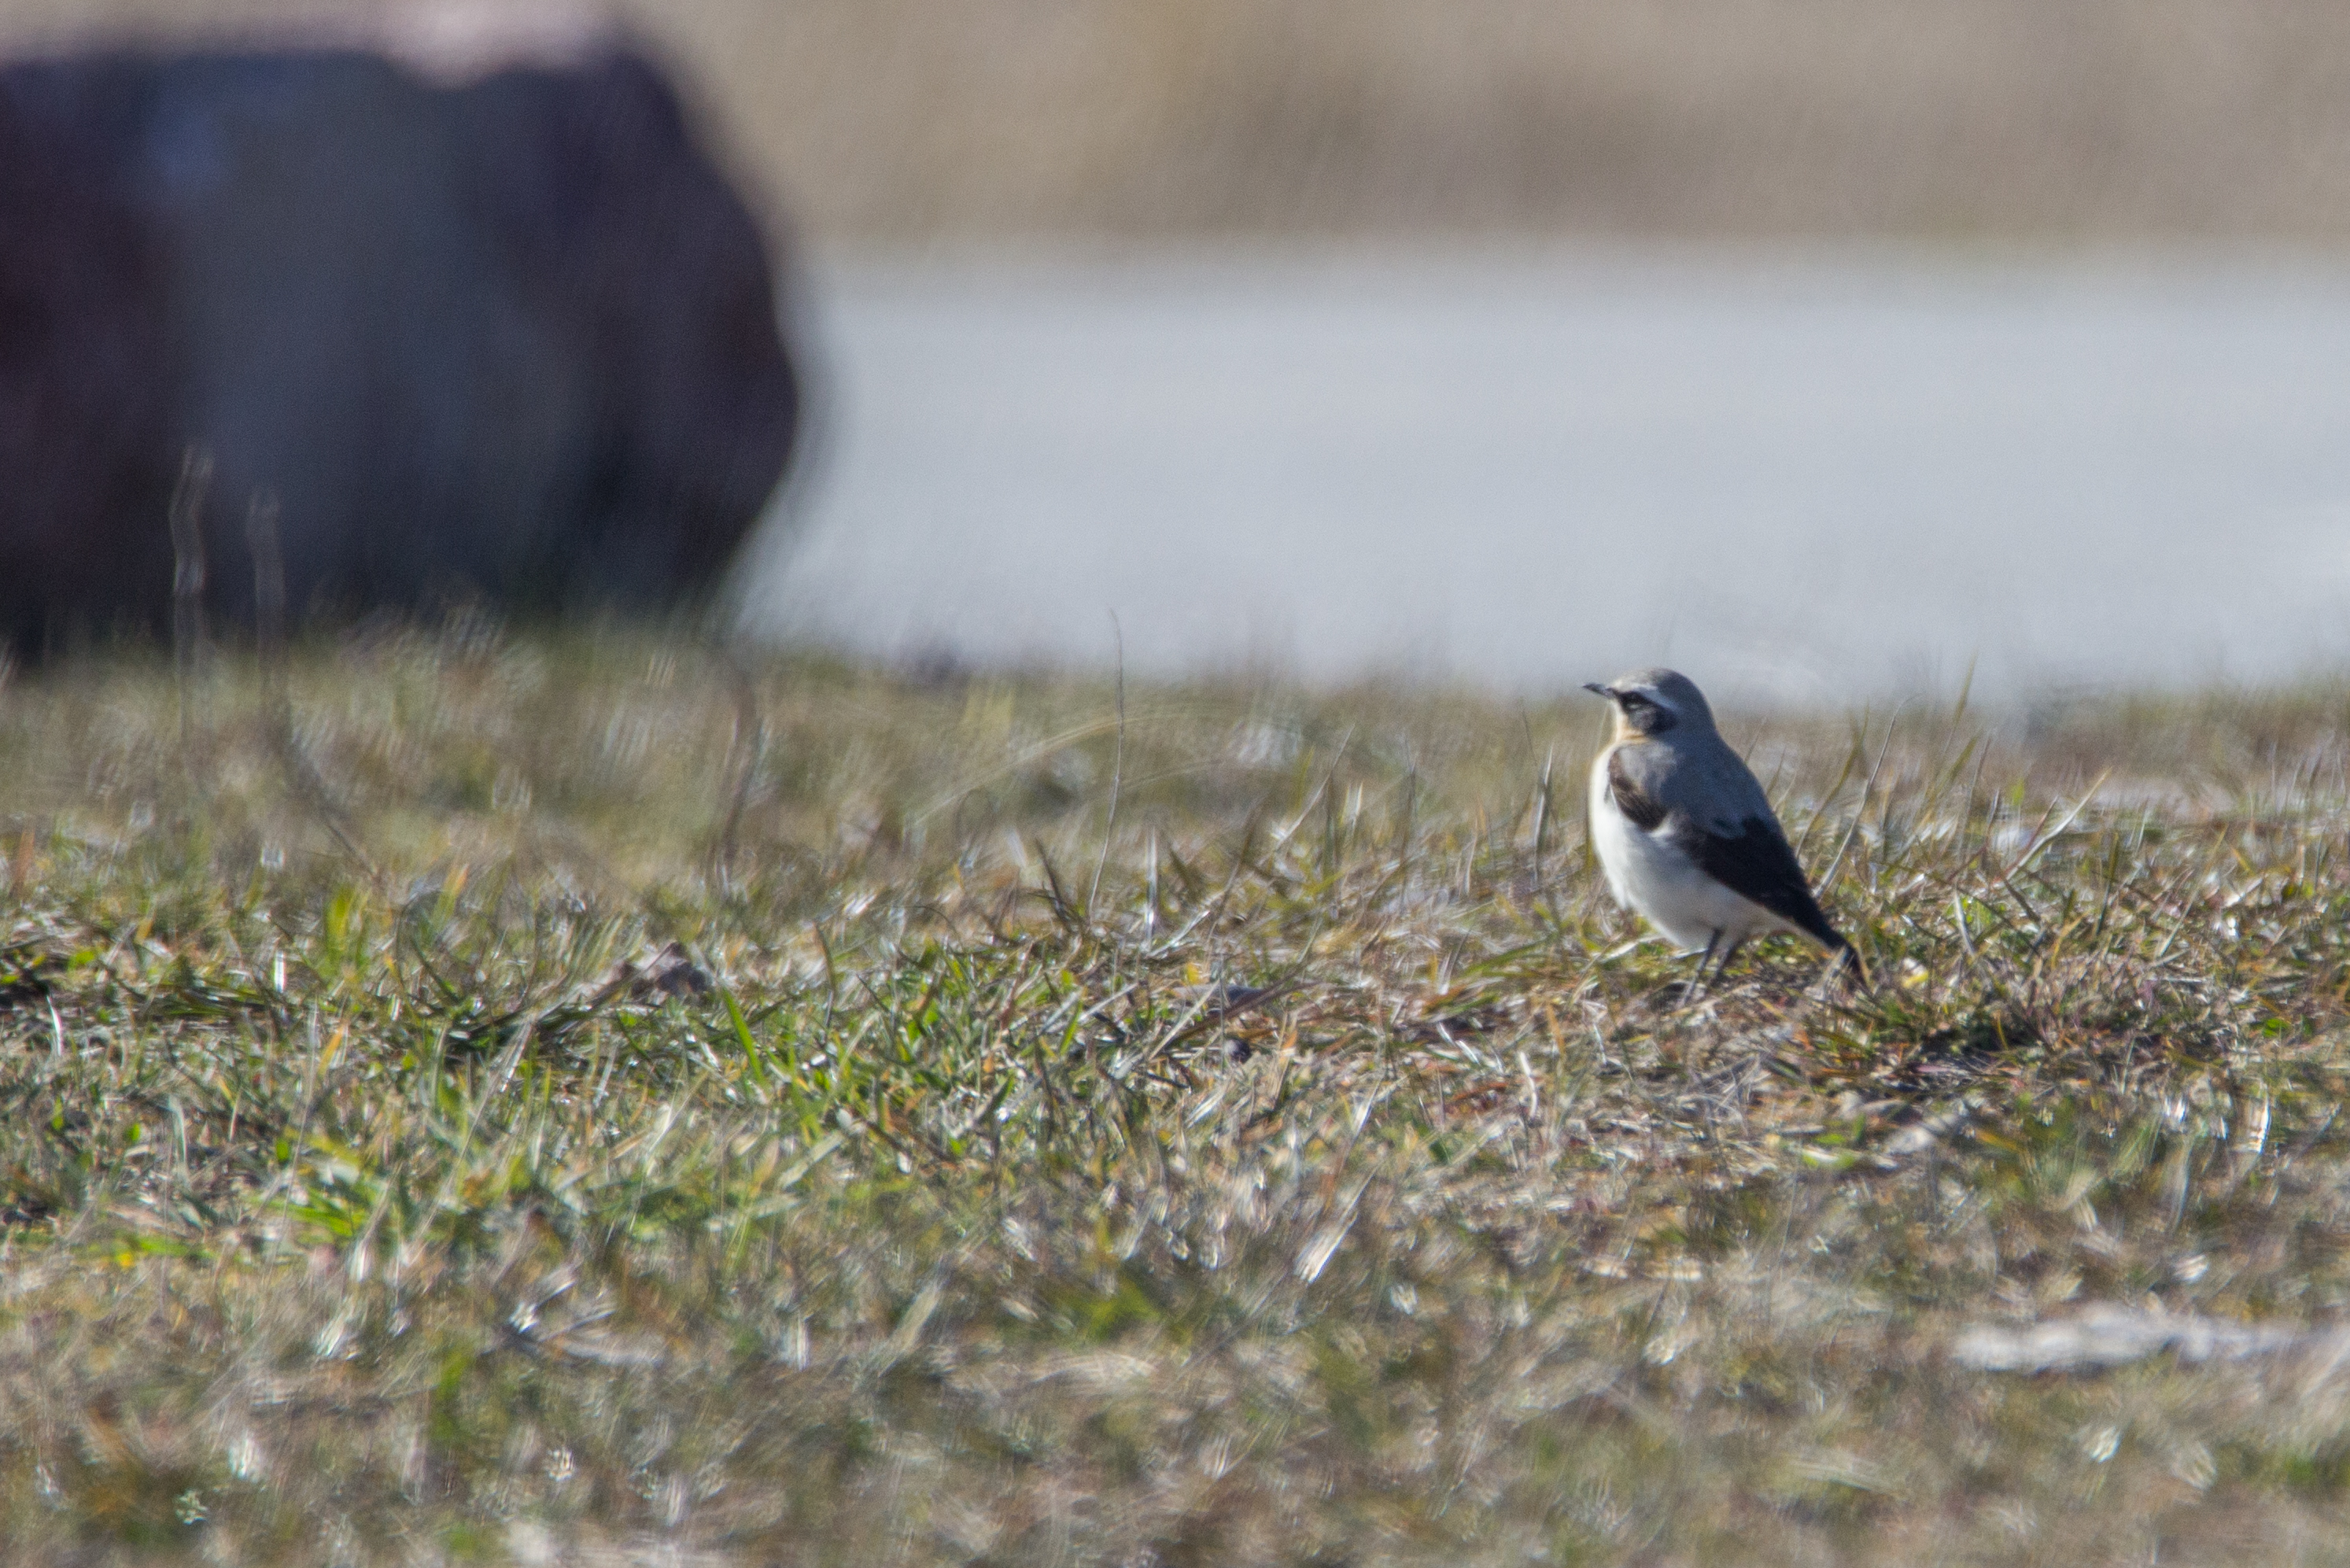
1757	865
1643	810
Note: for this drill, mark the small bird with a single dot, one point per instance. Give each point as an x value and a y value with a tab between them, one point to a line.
1686	834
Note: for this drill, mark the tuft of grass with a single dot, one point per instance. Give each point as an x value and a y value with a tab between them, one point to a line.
593	1099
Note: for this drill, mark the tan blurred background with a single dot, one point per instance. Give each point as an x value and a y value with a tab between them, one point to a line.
884	122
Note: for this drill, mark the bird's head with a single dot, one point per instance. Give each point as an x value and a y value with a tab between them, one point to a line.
1651	701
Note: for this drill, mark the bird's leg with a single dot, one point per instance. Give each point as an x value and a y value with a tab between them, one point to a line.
1695	987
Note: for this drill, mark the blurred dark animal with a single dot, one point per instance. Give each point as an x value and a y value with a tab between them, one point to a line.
513	341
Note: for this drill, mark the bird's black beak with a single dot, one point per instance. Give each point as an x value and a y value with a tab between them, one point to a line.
1607	692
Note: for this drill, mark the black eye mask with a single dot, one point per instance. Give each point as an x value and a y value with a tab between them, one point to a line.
1648	718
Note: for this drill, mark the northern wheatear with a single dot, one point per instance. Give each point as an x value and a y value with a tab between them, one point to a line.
1686	834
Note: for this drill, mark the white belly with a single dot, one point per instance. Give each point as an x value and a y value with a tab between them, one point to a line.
1657	881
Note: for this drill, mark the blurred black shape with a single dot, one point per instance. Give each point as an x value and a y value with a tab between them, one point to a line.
513	341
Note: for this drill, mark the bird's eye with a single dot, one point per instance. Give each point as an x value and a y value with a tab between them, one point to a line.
1647	714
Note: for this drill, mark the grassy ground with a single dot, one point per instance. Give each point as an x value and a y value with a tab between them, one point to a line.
1239	1134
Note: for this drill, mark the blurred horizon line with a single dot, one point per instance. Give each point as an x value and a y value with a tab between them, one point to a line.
1958	121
